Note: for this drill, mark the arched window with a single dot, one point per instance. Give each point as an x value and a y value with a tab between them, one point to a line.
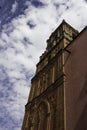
43	116
39	119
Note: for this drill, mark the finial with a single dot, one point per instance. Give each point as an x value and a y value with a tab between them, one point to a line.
63	21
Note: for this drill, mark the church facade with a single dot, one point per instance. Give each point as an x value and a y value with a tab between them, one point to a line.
57	99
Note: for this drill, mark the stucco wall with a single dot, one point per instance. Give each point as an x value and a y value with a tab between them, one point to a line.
75	67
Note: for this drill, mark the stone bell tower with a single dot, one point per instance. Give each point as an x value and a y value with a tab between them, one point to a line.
46	106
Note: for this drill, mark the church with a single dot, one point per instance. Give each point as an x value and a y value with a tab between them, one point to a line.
58	95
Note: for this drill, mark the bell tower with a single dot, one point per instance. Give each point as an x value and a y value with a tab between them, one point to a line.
45	109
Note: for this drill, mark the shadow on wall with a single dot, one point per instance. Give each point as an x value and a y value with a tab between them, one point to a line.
82	122
84	90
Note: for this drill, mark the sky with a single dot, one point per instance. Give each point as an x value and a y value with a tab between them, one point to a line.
25	25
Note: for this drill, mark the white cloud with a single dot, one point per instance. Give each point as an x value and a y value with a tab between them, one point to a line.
14	7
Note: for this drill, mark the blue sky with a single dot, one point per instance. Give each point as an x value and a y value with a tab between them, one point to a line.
25	25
